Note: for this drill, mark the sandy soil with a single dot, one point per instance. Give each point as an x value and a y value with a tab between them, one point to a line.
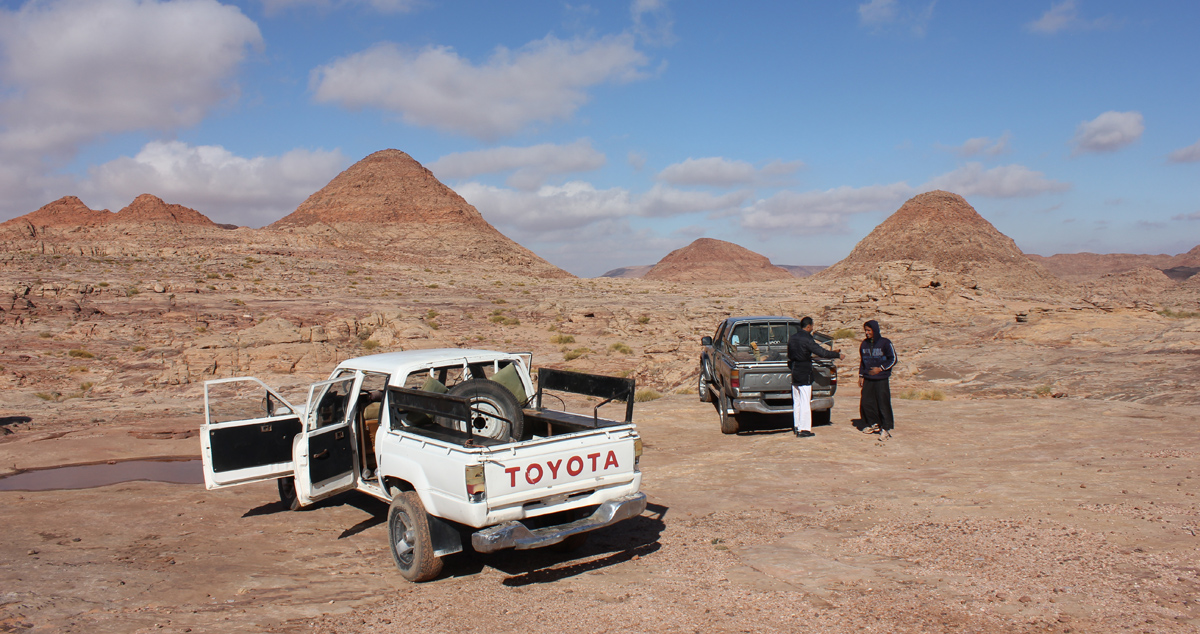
992	510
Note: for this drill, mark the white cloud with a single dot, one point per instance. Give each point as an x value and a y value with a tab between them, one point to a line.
1189	154
382	6
226	188
579	204
1108	132
550	208
877	12
668	201
637	160
73	70
652	21
822	211
721	172
1064	16
543	81
1195	215
983	145
530	165
1006	181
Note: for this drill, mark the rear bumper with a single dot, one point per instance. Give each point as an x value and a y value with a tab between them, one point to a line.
758	406
516	535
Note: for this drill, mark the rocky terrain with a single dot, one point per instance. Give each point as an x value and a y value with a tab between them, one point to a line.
1040	479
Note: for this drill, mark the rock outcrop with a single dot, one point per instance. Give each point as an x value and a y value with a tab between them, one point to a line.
715	260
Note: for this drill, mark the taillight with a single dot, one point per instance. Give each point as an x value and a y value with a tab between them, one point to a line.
637	454
476	486
833	375
733	379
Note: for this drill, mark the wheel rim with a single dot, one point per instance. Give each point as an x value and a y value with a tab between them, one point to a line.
403	538
486	420
701	384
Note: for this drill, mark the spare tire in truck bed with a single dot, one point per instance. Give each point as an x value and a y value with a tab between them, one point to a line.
495	412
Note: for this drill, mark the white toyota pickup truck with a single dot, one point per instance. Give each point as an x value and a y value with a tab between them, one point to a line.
458	442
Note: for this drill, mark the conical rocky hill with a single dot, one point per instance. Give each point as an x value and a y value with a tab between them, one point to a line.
388	203
709	259
67	212
939	230
148	209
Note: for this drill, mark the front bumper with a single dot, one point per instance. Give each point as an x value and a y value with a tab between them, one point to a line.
757	405
516	535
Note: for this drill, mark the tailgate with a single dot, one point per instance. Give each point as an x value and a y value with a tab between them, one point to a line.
774	377
556	469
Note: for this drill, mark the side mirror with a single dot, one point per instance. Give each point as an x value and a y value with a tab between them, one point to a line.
706	341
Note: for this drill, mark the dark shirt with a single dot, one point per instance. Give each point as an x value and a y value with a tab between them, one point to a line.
801	349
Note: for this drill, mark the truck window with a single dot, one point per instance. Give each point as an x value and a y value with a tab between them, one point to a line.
740	337
331	406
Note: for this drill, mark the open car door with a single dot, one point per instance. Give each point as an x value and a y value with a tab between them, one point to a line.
325	452
248	433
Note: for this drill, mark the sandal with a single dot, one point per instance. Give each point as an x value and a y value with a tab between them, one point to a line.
873	429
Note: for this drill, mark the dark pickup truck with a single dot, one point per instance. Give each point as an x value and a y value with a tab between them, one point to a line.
744	368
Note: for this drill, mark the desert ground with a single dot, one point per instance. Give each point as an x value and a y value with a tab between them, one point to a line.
1051	489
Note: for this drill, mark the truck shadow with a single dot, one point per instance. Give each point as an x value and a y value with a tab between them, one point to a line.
375	509
621	542
752	423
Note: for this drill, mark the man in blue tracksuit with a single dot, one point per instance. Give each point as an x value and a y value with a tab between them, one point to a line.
877	359
801	349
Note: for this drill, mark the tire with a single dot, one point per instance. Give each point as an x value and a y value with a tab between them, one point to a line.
702	387
495	411
287	493
409	539
729	422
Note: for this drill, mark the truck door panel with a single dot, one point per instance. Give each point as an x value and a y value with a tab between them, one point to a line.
258	442
247	434
325	452
330	454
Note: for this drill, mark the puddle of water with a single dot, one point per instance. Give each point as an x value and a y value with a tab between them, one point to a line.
87	476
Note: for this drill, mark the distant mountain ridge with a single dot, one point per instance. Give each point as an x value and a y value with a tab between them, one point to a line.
639	271
69	213
1078	267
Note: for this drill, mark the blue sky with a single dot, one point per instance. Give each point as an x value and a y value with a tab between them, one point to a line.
607	134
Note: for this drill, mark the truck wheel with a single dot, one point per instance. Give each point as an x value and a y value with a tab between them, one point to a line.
495	412
729	422
287	493
705	395
408	536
